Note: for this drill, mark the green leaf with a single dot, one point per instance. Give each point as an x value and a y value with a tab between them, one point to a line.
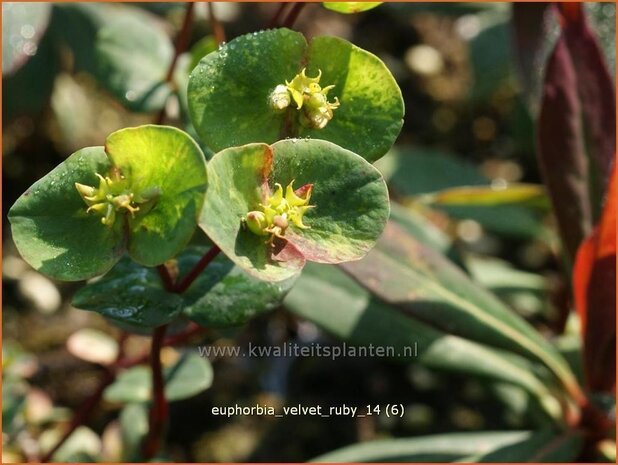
130	295
424	284
437	448
23	24
349	194
191	375
223	295
230	88
522	194
135	74
166	158
540	447
52	230
406	168
528	293
83	445
350	7
133	430
57	236
13	403
28	89
420	228
364	320
236	176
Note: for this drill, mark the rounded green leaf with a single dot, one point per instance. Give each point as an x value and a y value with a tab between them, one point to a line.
52	230
230	88
350	7
349	194
189	376
130	295
168	159
133	54
236	176
224	295
228	91
370	116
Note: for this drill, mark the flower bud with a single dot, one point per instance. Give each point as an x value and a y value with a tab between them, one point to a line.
280	98
256	222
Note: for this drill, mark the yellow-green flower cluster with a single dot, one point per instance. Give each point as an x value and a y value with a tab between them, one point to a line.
278	211
310	98
113	195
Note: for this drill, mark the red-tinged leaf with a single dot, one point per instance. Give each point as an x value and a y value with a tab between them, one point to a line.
576	135
594	282
596	92
561	149
530	27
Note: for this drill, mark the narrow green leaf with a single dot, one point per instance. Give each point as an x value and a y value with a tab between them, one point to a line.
363	320
350	7
438	448
405	171
424	284
523	194
539	447
52	230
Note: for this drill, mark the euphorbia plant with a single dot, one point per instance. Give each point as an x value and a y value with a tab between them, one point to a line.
128	210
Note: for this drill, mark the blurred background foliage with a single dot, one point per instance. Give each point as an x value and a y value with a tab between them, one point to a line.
74	72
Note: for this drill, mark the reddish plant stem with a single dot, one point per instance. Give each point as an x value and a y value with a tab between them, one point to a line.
217	28
82	414
185	282
182	41
159	408
274	21
166	278
192	329
293	15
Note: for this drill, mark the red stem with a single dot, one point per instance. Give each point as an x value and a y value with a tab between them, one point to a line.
159	408
182	41
217	28
192	330
277	16
166	278
85	410
293	15
185	282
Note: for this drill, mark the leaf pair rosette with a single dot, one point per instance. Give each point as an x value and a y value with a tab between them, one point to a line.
140	194
269	208
337	213
272	85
